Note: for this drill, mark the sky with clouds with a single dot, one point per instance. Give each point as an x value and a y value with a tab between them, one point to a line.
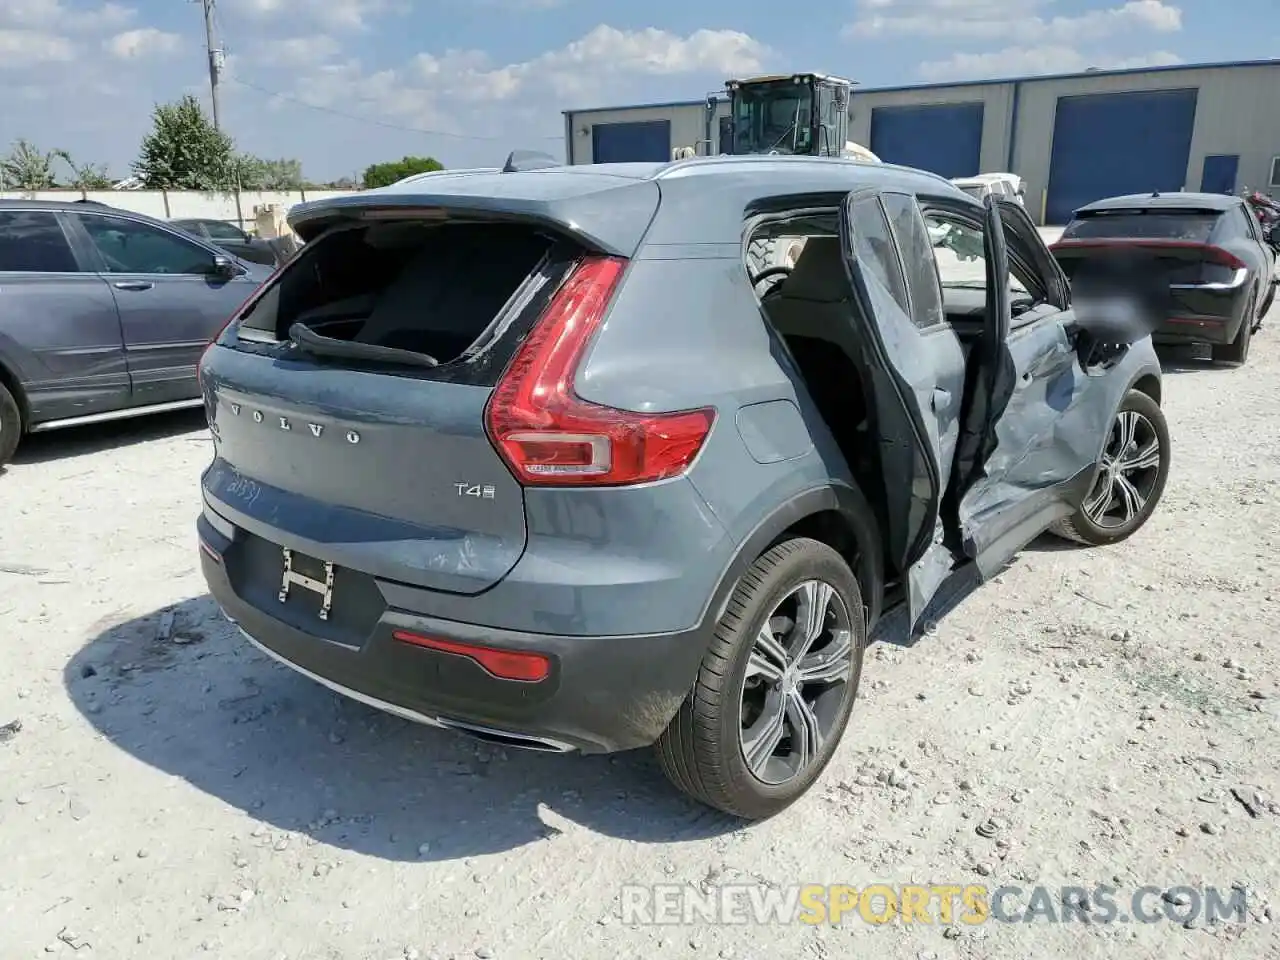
340	84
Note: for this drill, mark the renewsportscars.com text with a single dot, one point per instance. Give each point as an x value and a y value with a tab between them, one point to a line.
966	904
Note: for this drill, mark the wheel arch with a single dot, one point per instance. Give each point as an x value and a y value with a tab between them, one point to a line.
9	380
1148	383
838	515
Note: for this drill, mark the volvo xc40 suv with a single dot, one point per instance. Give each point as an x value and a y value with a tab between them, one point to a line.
532	455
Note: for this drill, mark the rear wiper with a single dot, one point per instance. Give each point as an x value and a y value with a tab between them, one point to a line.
304	338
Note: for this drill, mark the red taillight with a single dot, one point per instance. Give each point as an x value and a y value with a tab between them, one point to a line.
549	435
1206	251
503	664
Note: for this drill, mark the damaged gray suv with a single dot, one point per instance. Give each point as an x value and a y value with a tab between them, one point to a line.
572	459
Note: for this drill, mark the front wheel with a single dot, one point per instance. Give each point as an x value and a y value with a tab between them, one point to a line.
775	689
1130	479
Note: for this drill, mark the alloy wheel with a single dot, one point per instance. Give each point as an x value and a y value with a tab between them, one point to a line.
798	674
1127	473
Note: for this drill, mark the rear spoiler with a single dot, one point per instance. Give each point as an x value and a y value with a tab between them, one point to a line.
606	214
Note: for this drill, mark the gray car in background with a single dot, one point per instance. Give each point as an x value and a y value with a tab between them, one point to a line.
104	314
535	455
232	239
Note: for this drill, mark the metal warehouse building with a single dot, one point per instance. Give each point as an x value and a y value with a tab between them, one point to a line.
1073	138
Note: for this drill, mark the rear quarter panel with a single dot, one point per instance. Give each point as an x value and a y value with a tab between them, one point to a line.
685	330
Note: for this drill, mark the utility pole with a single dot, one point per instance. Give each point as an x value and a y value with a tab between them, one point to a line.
216	59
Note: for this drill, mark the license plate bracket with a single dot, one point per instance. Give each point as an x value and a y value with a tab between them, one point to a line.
292	577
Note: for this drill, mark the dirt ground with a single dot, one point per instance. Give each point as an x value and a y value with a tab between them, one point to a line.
1084	719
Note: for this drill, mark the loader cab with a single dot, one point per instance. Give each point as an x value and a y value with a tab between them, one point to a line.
805	114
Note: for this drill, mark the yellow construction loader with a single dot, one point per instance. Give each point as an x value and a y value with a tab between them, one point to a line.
801	114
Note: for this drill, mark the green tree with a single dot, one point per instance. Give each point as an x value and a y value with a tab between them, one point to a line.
28	168
184	151
88	176
256	173
383	174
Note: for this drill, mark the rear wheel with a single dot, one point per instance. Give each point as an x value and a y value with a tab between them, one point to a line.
775	689
1266	304
1237	351
10	425
1130	478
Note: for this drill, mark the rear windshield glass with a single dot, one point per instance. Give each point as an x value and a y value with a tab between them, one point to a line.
977	192
1191	225
412	285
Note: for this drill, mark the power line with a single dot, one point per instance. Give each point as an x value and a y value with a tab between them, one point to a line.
371	120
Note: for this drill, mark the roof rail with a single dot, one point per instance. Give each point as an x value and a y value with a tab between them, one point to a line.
519	160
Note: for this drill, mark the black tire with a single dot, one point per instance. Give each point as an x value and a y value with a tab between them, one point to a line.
1266	304
1237	351
10	425
701	751
1083	528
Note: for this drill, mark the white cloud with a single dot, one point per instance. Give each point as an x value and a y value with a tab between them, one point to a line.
1014	20
592	62
427	92
143	42
1034	61
53	14
25	48
336	14
307	51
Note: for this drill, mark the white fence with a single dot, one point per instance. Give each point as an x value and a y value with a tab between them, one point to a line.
237	207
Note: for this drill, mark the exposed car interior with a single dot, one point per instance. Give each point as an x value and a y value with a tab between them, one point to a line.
805	296
403	285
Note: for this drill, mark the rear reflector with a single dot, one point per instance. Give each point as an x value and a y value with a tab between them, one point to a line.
503	664
549	435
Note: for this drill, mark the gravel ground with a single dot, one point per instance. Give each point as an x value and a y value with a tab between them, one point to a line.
1084	719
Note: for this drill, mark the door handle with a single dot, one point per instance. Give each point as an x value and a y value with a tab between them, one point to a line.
941	399
133	285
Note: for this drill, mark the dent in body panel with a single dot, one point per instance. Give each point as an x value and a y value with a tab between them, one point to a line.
1052	433
599	562
438	557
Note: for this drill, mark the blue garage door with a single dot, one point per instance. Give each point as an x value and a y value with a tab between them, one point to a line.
944	138
631	142
1220	172
1106	145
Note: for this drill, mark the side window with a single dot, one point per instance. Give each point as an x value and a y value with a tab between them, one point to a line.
875	248
131	247
1244	216
959	254
920	268
32	241
222	231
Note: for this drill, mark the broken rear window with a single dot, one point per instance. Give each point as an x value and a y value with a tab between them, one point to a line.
437	290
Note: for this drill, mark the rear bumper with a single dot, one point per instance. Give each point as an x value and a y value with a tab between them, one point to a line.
603	694
1205	313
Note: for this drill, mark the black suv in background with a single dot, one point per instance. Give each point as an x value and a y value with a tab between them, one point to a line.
234	240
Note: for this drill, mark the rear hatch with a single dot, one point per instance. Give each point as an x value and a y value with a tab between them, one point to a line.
1176	244
347	400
